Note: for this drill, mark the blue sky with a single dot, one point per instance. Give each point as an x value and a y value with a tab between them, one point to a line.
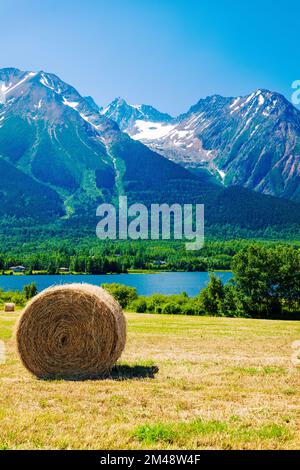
168	53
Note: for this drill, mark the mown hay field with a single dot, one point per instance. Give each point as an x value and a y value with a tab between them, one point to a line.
182	382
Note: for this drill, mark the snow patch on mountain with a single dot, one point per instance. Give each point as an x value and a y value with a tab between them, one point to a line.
4	88
147	130
235	102
71	104
10	88
44	81
39	105
261	100
222	174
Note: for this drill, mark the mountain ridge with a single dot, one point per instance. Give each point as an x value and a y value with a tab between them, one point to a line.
58	144
251	141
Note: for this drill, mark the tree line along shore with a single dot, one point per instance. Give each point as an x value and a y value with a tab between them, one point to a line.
265	284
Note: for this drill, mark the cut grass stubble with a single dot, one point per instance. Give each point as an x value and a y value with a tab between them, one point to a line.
183	382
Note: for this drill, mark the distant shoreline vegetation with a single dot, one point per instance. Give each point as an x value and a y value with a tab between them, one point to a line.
89	256
265	284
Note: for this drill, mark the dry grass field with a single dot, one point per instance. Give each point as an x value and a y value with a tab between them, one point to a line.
183	382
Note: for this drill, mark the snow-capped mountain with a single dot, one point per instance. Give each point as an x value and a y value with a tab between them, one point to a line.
57	145
128	116
61	156
54	139
251	141
29	86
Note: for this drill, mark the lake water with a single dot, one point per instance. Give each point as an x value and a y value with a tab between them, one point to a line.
146	284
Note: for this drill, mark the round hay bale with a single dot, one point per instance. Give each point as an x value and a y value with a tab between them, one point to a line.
9	307
71	331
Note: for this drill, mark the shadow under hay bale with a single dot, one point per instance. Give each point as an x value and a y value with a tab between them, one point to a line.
72	331
124	372
118	373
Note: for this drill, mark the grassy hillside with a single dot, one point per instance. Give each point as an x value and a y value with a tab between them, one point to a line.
183	382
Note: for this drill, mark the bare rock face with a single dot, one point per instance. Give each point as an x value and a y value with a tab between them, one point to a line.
251	141
61	155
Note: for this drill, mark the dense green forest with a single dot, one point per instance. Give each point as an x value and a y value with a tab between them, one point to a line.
18	298
91	256
265	284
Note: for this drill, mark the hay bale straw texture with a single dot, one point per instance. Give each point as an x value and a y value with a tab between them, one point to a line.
71	331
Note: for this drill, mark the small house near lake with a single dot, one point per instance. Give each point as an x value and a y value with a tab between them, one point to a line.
17	269
64	270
